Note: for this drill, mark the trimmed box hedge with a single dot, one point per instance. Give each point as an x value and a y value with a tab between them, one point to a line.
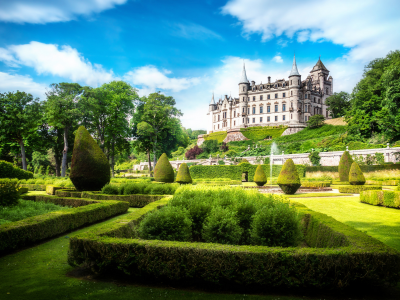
381	198
339	256
51	189
24	232
135	200
235	172
364	168
34	187
315	184
232	182
356	189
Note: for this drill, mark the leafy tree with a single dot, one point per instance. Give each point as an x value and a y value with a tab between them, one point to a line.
315	158
144	131
339	104
192	153
315	121
62	111
210	146
20	116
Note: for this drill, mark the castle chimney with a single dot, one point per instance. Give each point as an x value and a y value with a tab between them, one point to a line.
269	79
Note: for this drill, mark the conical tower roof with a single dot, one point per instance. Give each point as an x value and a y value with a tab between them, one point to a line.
294	71
244	79
212	100
319	66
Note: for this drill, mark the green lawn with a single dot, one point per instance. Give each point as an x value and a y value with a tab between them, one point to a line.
313	195
379	222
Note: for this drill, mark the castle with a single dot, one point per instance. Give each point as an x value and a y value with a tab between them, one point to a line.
283	102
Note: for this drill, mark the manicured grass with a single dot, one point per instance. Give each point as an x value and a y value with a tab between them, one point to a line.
35	193
26	209
379	222
313	195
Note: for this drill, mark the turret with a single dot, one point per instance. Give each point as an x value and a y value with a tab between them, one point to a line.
212	105
294	88
244	87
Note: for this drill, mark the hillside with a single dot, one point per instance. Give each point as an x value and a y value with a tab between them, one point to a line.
336	121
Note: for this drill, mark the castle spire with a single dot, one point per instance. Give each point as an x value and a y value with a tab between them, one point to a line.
244	79
294	71
212	99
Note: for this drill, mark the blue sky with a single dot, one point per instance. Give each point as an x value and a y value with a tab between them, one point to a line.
188	49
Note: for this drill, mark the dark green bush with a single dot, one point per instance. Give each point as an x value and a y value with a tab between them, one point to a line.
222	226
163	172
356	176
134	188
245	211
170	223
259	177
110	189
277	225
183	176
288	179
8	170
344	166
9	192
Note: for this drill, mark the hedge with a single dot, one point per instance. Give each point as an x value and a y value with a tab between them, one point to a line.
8	170
51	189
383	182
219	136
234	172
315	184
381	198
262	132
219	183
27	231
364	168
338	256
356	189
133	200
34	187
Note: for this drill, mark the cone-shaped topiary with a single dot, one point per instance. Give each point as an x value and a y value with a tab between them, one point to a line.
259	177
344	166
183	175
90	169
288	178
163	171
356	176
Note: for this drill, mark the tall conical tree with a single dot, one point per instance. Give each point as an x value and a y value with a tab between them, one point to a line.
259	177
356	176
163	172
90	169
344	166
183	175
288	178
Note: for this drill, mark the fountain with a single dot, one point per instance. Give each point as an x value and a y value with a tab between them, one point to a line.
274	148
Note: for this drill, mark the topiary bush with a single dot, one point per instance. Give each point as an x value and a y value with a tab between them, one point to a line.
90	169
110	189
344	166
163	172
8	170
183	176
9	192
356	176
169	223
288	179
259	177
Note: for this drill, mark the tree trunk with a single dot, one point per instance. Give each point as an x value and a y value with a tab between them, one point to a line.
65	151
154	151
112	156
57	158
148	154
23	156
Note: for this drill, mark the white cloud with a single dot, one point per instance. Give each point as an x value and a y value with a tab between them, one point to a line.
12	83
48	11
277	58
193	31
61	61
148	79
365	26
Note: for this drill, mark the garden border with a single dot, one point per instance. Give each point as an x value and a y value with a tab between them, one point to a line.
350	256
381	198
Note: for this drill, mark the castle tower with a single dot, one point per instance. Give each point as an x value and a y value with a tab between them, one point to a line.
294	89
320	75
244	87
211	107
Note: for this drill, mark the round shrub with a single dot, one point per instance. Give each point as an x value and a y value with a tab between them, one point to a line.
288	179
222	226
356	176
169	223
9	192
276	225
344	166
134	188
163	172
259	177
110	189
8	170
183	176
90	169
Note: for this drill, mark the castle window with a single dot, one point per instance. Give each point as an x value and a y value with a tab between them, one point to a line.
291	93
284	95
276	86
234	123
254	98
319	100
268	119
268	97
276	108
268	108
243	120
290	82
261	120
283	107
243	109
298	82
276	96
218	117
326	113
254	120
327	91
234	113
291	116
244	98
218	126
305	96
261	109
283	118
261	97
283	84
254	111
248	111
243	89
314	99
248	120
276	118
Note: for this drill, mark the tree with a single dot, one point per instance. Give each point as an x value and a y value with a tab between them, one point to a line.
20	116
144	131
339	104
315	121
160	113
192	153
62	111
